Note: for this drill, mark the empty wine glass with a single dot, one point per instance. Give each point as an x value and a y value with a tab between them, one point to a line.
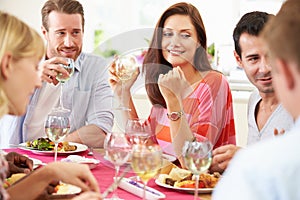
125	67
57	126
197	158
117	151
137	131
62	79
146	162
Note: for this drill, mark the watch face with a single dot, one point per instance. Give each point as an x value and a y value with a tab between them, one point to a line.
174	116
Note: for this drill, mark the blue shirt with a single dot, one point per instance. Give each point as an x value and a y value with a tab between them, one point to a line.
87	94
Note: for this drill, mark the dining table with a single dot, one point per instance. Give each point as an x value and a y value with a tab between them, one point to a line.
105	171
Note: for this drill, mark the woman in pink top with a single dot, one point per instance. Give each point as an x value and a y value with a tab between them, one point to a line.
190	100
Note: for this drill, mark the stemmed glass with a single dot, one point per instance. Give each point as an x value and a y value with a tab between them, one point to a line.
62	79
197	158
57	126
117	151
137	131
146	162
125	67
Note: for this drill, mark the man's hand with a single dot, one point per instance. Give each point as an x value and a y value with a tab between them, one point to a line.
52	67
18	163
222	156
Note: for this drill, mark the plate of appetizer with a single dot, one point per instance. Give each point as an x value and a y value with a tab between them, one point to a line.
182	180
45	146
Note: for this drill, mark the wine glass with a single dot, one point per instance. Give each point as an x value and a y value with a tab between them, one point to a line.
146	162
62	79
197	158
57	126
125	67
137	131
117	151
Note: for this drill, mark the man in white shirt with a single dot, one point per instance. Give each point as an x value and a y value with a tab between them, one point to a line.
270	169
265	113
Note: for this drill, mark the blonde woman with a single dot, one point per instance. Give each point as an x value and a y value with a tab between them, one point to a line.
21	49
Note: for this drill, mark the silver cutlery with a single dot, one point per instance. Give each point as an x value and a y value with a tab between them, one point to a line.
115	184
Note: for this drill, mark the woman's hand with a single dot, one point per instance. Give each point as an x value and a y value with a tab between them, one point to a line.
174	85
75	174
116	83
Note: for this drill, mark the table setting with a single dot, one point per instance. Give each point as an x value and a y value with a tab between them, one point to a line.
104	171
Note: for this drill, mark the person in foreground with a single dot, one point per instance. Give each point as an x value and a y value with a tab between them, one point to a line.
20	52
270	169
266	115
87	93
191	101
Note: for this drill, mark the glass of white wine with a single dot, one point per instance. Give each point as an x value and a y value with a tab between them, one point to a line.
197	158
117	151
126	65
62	79
146	162
57	126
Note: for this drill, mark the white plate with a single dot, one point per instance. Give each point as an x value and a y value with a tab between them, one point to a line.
91	162
36	162
169	157
189	190
80	148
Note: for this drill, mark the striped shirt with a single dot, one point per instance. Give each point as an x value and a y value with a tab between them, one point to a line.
209	112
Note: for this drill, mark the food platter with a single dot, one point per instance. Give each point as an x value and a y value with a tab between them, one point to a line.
80	148
189	190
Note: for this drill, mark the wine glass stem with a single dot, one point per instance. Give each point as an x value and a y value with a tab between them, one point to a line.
61	95
55	151
144	190
115	194
197	185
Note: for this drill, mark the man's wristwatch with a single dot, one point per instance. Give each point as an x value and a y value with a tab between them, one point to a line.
174	116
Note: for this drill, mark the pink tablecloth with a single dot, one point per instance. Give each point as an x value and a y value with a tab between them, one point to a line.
104	173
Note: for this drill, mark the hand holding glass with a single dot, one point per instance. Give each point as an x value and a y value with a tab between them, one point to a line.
62	78
197	158
57	126
125	68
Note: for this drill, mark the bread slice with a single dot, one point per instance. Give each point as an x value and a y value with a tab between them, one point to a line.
178	173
